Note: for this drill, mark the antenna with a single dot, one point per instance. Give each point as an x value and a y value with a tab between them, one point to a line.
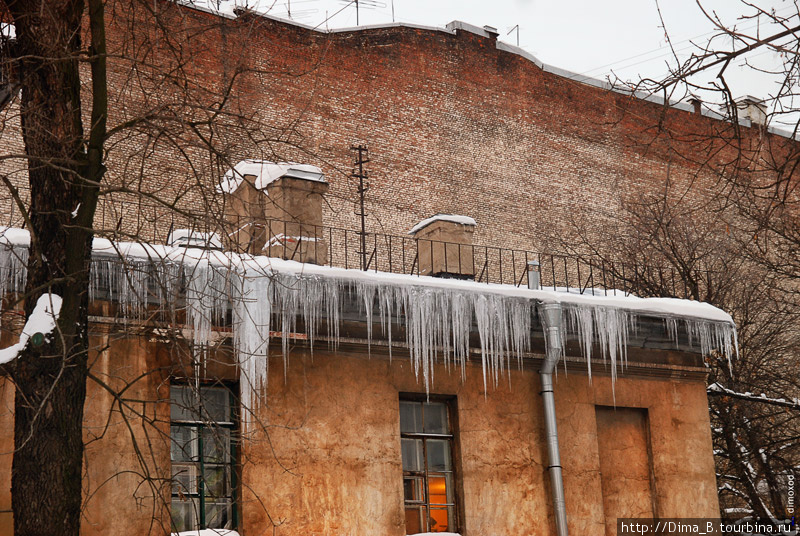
366	4
517	29
361	175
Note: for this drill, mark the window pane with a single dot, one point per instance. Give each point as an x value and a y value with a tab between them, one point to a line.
185	514
415	517
216	404
439	489
216	444
218	515
184	479
184	443
439	455
412	489
182	403
435	418
412	454
410	417
216	481
441	519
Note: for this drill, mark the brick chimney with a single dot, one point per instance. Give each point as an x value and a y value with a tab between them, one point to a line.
444	246
275	209
294	217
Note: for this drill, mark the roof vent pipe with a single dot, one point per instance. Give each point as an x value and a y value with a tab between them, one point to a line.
552	319
534	275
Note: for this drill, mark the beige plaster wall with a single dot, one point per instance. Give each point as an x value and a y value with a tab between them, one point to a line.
328	460
330	463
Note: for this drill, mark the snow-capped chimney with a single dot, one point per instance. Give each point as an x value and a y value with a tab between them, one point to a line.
275	209
752	108
444	246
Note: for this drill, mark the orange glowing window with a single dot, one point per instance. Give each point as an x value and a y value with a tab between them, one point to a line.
428	481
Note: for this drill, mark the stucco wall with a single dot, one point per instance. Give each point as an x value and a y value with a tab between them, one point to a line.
331	463
328	460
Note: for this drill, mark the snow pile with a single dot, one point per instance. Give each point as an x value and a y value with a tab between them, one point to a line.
455	218
266	172
42	320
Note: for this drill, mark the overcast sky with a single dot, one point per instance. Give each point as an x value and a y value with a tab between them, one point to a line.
593	37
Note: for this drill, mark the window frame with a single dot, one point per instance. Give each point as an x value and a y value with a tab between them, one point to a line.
232	460
456	491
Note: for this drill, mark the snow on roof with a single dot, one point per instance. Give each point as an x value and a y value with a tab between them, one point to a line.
192	238
455	218
187	255
11	236
656	306
267	266
213	282
267	172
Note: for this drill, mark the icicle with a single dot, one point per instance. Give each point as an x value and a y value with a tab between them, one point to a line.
13	268
252	313
438	320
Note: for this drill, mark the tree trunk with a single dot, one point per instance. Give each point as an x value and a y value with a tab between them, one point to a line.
51	378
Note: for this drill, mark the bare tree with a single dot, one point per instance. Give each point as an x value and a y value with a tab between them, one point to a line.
103	95
675	241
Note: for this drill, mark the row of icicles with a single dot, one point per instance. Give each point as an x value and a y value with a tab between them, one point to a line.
437	321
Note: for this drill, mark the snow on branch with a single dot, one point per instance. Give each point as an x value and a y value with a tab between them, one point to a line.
718	390
42	321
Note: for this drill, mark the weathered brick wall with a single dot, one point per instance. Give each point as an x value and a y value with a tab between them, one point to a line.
453	125
456	125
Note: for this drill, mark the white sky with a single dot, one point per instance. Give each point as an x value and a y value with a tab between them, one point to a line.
593	37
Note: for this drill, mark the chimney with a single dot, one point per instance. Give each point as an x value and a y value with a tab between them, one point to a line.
275	209
444	246
697	104
244	207
491	31
294	216
753	109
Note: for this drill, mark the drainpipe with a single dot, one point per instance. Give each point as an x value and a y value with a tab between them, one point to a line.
551	317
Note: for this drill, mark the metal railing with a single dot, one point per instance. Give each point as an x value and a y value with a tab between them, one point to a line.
342	247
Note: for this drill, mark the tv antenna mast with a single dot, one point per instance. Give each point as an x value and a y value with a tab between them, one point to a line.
366	4
517	29
360	173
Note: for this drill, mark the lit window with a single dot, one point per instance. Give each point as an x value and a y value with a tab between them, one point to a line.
428	481
201	428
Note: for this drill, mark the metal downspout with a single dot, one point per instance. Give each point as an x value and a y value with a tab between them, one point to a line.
551	318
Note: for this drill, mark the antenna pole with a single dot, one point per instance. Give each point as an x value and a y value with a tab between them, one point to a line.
360	174
517	29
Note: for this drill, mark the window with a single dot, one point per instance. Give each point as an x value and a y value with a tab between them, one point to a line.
203	479
426	437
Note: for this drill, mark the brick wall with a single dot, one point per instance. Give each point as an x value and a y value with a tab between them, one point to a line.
453	125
